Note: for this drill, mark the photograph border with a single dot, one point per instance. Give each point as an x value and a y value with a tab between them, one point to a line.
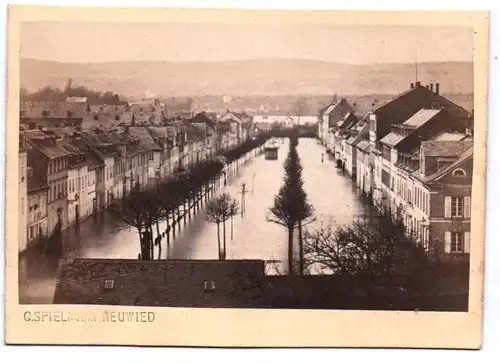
236	327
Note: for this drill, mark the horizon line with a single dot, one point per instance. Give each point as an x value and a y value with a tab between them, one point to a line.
239	60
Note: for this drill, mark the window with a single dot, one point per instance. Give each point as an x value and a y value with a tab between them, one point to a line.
385	178
45	113
151	156
458	173
69	114
457	242
457	206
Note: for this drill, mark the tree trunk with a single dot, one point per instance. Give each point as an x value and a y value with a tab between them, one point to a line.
151	242
145	245
179	217
224	237
218	240
301	249
159	242
231	228
290	251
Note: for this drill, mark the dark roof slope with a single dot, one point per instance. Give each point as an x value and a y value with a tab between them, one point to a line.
446	148
166	283
40	109
402	107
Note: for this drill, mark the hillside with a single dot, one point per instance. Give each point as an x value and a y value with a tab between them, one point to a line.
245	77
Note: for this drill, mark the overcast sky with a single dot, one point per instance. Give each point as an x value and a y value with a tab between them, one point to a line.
101	42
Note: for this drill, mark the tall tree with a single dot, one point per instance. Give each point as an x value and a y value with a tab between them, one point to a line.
290	208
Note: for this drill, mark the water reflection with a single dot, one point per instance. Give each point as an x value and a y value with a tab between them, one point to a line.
333	195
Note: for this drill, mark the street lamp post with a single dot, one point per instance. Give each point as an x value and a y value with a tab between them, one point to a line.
243	192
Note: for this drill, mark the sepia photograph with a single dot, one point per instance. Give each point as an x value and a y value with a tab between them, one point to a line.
245	165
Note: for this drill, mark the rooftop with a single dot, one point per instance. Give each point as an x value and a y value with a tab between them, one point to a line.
62	110
167	283
421	117
446	148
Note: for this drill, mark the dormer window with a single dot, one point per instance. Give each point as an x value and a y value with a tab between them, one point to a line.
109	284
459	173
45	113
69	114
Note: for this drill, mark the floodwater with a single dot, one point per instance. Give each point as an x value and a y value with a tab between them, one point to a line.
333	195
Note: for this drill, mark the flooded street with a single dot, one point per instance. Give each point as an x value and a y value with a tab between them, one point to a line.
334	197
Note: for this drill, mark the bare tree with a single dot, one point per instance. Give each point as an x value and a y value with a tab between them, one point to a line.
230	209
215	214
219	210
141	209
377	247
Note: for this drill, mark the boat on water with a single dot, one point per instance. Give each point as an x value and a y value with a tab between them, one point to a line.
271	149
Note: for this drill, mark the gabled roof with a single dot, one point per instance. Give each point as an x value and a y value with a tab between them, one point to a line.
436	176
402	107
446	148
203	117
47	145
421	117
163	132
413	123
60	110
365	146
147	142
166	283
448	136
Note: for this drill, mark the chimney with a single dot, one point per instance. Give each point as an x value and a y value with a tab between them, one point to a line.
432	87
412	86
437	88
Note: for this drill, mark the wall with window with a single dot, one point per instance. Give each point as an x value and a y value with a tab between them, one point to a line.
37	214
109	165
23	199
450	210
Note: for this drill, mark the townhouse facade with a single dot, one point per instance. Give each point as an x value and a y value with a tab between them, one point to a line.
36	227
414	154
23	192
49	161
79	179
72	173
329	118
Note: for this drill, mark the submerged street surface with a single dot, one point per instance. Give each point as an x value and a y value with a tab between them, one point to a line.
333	195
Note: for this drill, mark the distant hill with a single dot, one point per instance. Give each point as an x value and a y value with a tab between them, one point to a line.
246	77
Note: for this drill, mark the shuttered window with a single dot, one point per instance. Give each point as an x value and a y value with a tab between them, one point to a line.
467	242
456	207
467	207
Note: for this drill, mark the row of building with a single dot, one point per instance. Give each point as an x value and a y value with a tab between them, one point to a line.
68	172
414	153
